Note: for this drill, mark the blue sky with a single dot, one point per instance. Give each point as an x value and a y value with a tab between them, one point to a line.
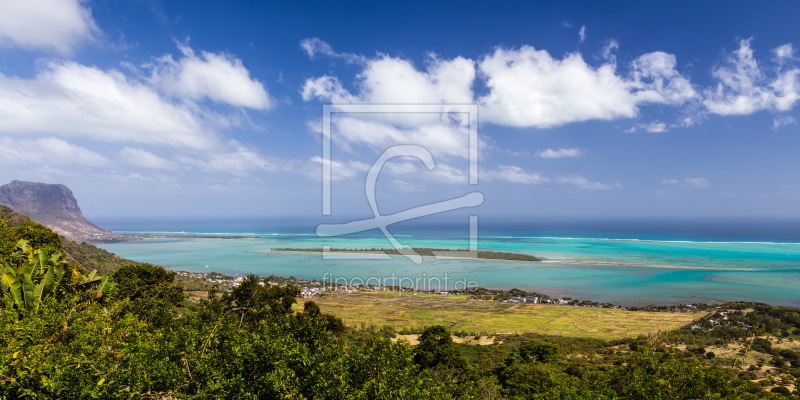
149	108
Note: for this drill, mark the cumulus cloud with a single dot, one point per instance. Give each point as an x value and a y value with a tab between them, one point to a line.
656	80
743	88
530	88
697	182
582	33
145	159
47	151
54	25
389	80
70	99
583	183
327	88
512	173
669	181
561	153
439	139
219	77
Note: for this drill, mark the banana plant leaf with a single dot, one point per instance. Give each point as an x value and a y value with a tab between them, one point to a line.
44	288
27	290
107	287
63	277
9	276
28	268
16	292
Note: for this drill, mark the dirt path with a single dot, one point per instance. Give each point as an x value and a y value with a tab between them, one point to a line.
561	315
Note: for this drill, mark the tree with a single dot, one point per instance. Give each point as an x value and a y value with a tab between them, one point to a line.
253	301
537	351
436	348
15	227
151	291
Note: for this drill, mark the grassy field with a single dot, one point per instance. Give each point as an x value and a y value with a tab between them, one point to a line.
477	316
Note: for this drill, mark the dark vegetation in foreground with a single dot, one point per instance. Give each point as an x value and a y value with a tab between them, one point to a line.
429	252
127	335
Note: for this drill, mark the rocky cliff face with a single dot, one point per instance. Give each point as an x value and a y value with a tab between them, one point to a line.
51	205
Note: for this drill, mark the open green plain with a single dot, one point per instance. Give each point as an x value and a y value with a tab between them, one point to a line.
459	313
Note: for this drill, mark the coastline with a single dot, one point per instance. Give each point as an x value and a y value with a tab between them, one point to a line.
568	262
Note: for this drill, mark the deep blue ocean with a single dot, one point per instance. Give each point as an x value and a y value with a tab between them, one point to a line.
623	261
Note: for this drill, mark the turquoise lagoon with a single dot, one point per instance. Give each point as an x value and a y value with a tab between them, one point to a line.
651	268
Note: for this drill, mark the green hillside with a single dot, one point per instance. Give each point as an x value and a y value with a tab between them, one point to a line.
129	335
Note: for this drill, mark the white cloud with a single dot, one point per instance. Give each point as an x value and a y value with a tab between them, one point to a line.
237	160
389	80
407	187
652	127
784	52
697	182
404	167
657	81
656	127
744	89
529	88
56	25
561	153
339	170
669	181
447	174
314	46
780	122
145	159
608	51
582	33
583	183
47	151
512	173
327	88
70	99
439	139
216	76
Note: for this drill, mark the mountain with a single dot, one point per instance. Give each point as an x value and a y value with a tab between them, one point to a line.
53	206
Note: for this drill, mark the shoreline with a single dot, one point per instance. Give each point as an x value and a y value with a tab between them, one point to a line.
567	262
